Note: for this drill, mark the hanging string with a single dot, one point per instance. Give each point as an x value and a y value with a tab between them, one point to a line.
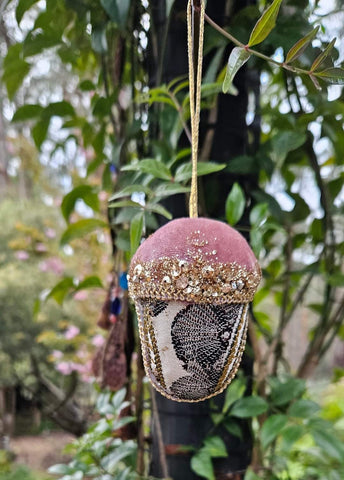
195	94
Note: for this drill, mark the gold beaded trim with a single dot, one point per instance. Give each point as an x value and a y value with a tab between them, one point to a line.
149	345
236	353
198	282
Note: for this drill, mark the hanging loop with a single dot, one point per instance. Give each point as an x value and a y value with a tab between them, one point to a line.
195	38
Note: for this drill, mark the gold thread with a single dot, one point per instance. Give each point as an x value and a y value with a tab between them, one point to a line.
227	371
148	328
195	98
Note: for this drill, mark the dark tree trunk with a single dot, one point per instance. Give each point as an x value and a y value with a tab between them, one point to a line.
184	424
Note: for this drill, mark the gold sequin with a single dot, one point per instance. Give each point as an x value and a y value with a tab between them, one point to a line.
216	282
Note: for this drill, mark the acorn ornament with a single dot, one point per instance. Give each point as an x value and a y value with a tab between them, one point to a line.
192	281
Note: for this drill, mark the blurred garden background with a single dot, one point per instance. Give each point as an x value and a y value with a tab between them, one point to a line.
94	156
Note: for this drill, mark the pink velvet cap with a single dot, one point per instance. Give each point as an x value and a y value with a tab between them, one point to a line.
178	239
195	260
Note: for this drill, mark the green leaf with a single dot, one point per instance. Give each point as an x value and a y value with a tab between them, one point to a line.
124	475
303	409
14	79
168	189
15	69
300	46
202	465
22	7
333	75
258	214
82	192
117	10
265	24
37	41
61	290
242	165
215	446
301	209
99	40
102	107
94	165
122	451
156	208
283	392
102	402
235	204
87	86
130	189
233	428
249	407
81	228
118	399
152	167
136	227
286	141
329	443
323	55
256	240
59	109
184	171
237	58
27	112
156	168
217	418
235	391
290	435
271	428
39	132
336	280
125	203
123	241
59	469
89	282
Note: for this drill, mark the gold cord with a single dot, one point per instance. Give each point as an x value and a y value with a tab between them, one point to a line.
195	98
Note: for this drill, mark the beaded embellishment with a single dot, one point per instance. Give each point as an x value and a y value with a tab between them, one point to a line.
192	281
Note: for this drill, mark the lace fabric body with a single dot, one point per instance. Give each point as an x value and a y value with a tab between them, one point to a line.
191	351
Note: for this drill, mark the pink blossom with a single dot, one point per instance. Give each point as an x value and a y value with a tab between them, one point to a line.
78	367
64	367
40	247
89	154
73	218
82	353
102	196
52	264
10	148
98	340
71	332
21	255
50	233
86	378
109	277
81	295
56	354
